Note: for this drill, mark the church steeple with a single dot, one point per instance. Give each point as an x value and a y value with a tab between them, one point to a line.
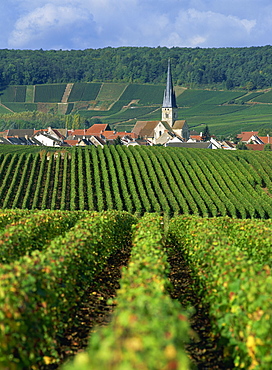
169	105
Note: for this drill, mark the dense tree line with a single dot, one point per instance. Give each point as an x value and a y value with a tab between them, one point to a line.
229	67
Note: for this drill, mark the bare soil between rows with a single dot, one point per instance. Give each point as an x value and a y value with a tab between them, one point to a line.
93	311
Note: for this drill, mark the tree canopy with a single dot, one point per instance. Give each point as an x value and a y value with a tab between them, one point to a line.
249	68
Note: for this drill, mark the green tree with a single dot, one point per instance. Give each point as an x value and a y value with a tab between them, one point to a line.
241	146
267	147
206	134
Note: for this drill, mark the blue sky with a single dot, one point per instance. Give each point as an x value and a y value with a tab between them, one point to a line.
81	24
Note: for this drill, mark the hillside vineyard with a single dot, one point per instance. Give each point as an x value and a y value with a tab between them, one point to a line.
140	179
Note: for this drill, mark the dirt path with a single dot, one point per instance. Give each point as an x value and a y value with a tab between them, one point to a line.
204	349
92	310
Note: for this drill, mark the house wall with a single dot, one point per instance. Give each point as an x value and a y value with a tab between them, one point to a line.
158	131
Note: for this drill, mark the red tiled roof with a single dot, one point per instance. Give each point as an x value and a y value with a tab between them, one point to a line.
79	132
246	135
97	128
255	146
266	139
71	142
196	137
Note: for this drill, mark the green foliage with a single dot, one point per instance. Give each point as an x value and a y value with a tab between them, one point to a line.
49	93
140	179
264	98
33	232
40	290
21	107
234	279
241	146
148	329
111	91
13	94
146	94
30	119
84	92
224	67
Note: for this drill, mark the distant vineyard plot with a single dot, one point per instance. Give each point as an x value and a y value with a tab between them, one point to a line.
147	94
13	94
111	91
121	104
264	98
49	93
84	92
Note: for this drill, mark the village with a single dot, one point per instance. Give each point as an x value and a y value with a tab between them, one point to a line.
169	131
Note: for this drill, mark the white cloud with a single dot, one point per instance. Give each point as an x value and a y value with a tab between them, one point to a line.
98	23
201	28
48	24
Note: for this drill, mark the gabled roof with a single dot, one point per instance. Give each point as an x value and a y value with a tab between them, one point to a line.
111	135
20	132
174	141
98	128
202	145
4	141
79	132
196	137
246	135
71	142
56	132
266	139
179	124
164	138
145	128
166	126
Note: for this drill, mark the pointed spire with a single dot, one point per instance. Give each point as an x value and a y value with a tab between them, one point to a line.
169	99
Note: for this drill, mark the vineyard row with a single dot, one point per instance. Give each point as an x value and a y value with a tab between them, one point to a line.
41	283
138	180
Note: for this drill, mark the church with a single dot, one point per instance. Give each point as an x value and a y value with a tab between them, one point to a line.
169	127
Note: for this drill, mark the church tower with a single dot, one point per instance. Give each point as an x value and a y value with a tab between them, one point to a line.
169	105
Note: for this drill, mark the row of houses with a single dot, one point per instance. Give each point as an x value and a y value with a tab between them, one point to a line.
101	134
98	135
254	141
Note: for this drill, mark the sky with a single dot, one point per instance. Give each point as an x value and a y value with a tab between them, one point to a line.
83	24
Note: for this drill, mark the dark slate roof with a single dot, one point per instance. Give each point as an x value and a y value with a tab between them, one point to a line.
169	98
202	145
20	132
4	141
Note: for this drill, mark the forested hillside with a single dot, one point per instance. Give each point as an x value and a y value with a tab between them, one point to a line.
229	67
